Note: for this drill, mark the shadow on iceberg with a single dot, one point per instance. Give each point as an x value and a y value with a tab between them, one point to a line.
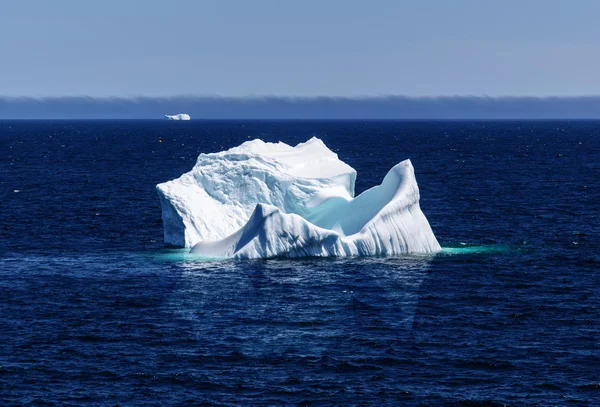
264	200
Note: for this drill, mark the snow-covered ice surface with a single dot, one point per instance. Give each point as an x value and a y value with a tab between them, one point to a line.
261	200
180	116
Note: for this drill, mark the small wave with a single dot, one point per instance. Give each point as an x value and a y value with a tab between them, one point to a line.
590	387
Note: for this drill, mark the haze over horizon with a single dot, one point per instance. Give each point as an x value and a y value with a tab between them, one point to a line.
389	108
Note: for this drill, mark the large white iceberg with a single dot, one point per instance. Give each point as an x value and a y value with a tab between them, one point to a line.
180	116
261	200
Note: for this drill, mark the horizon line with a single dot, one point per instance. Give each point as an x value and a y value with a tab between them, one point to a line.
303	107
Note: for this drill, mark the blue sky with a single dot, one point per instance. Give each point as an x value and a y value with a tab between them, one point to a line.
302	48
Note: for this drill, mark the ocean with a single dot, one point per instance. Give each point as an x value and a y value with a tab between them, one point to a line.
95	310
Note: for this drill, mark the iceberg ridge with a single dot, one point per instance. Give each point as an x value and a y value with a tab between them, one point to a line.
262	200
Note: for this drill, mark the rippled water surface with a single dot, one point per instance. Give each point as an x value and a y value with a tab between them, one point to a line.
93	309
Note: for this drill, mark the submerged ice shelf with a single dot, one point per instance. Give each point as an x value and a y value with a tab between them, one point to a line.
261	200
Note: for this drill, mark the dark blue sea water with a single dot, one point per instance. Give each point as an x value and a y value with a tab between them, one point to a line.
93	309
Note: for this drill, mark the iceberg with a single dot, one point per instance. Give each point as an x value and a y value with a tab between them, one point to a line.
264	200
180	116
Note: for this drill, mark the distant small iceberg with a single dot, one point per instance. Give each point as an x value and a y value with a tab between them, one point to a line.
180	116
